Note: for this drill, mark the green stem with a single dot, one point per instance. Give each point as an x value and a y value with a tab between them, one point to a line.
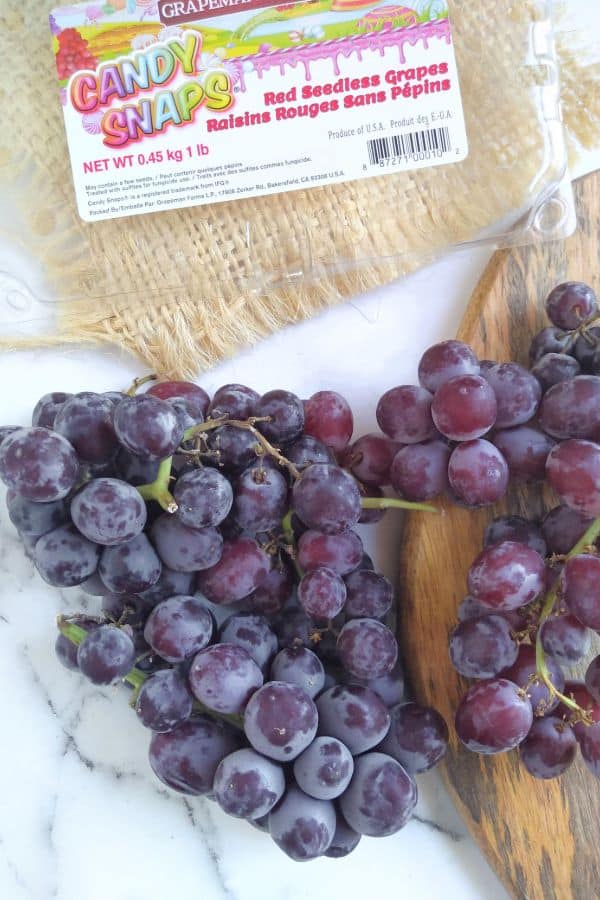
290	540
394	503
159	489
138	382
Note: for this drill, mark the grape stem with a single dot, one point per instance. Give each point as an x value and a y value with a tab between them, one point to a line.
588	539
395	503
159	489
290	541
138	382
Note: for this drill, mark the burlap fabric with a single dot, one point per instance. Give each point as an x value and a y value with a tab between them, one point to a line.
184	289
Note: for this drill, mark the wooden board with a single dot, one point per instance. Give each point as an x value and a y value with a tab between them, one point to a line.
542	838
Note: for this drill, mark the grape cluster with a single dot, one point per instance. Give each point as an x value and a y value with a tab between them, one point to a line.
534	590
73	53
235	597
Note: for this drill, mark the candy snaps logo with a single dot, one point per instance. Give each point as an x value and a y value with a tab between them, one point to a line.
173	12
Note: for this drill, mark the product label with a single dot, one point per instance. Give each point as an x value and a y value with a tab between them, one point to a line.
172	103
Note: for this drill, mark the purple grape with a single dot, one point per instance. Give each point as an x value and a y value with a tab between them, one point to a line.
66	650
307	450
341	553
164	701
36	519
322	593
328	417
570	304
404	414
577	691
187	410
108	511
106	655
420	471
478	473
482	647
592	678
573	470
93	586
234	400
523	673
280	720
369	595
38	464
589	745
185	549
301	826
169	584
493	716
179	627
64	558
147	426
515	528
566	639
327	499
582	589
345	840
134	469
167	390
247	785
286	416
294	628
86	422
444	361
417	739
6	431
254	634
324	769
506	576
586	347
562	528
553	368
464	408
260	500
518	394
370	516
47	407
369	458
273	593
224	677
470	608
124	609
549	748
389	687
571	409
381	796
526	450
241	569
355	715
204	497
367	648
186	759
549	340
299	665
236	448
130	568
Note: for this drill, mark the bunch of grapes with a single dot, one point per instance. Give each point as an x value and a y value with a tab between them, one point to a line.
534	591
235	597
73	53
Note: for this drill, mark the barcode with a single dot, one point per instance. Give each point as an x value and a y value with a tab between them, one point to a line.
414	143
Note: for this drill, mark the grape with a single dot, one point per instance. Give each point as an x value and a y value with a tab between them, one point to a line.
381	796
108	511
417	739
464	408
548	340
179	627
470	608
482	647
571	409
586	347
368	595
549	748
518	394
370	516
493	716
341	553
589	745
134	469
47	407
294	628
592	678
38	464
224	677
328	417
582	588
515	528
241	569
299	665
164	701
66	650
106	655
307	450
86	422
577	691
355	715
36	519
272	594
166	390
345	840
94	586
404	414
570	304
122	608
114	396
554	368
420	471
6	431
369	458
64	558
477	473
260	499
236	448
367	649
523	673
390	687
280	720
444	361
187	411
147	426
526	450
507	576
187	758
130	568
247	785
301	826
562	528
322	593
566	639
254	634
234	400
327	499
573	470
286	416
185	549
324	769
169	584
